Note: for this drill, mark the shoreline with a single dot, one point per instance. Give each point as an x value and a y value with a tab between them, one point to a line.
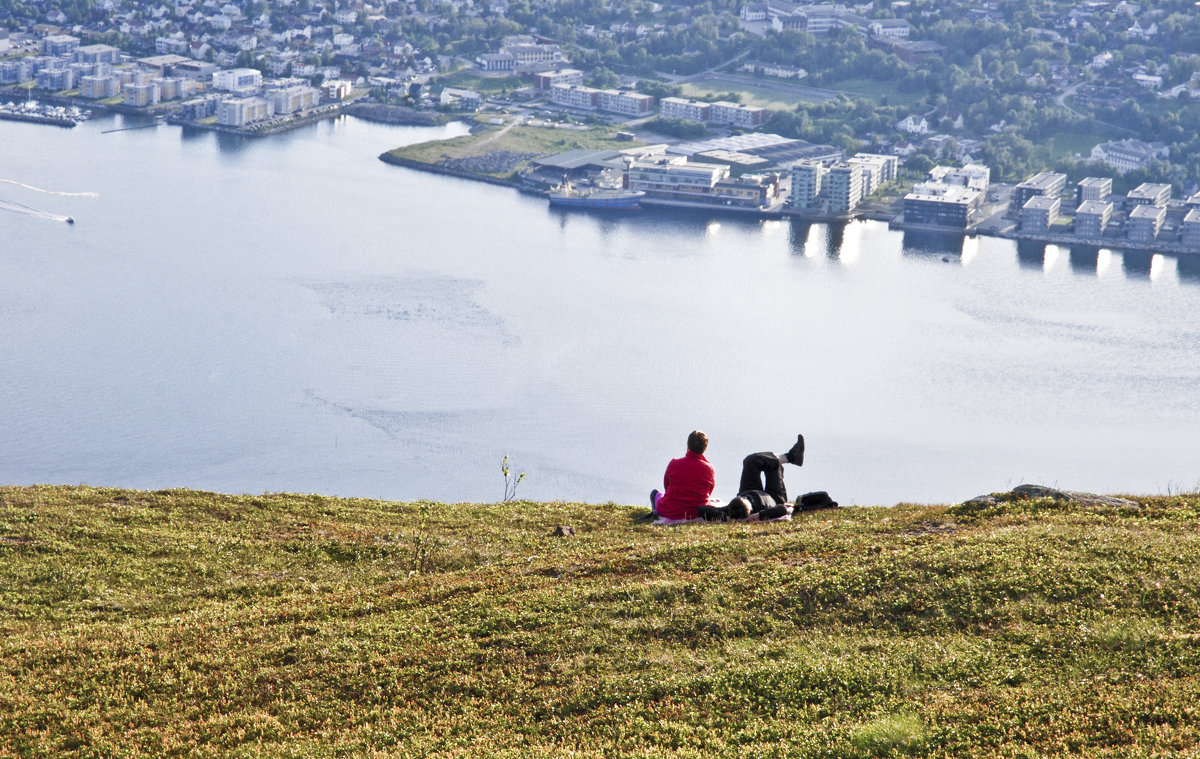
779	212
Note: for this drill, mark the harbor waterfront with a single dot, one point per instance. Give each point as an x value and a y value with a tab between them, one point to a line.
615	190
293	314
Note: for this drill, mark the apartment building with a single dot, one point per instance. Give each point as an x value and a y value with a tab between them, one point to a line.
1039	213
844	187
1145	221
1046	184
240	112
141	95
681	108
1092	218
547	79
942	205
1191	228
1092	188
97	87
1148	194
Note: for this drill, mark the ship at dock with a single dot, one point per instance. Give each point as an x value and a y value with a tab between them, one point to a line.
595	198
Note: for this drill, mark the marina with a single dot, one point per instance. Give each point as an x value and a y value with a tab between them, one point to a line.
33	112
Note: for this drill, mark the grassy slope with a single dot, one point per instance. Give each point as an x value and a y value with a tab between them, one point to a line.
190	623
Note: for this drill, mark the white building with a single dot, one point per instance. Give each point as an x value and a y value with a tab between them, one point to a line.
973	175
140	95
575	96
844	187
736	114
625	103
237	79
681	108
294	98
96	87
336	89
1127	155
674	176
913	125
888	27
547	79
239	112
889	165
807	179
97	54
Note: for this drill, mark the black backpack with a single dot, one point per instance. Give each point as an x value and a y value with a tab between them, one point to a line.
816	500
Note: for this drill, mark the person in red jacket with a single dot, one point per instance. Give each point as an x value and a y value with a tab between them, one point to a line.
688	482
689	485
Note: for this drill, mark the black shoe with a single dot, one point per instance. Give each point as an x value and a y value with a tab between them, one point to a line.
795	454
653	513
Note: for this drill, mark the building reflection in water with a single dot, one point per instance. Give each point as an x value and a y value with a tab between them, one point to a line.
929	244
1136	264
1084	259
1031	255
1188	268
799	234
835	235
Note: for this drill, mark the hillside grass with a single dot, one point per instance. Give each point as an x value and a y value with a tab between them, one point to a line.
181	623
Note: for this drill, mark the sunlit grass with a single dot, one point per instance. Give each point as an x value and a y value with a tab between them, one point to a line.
530	140
187	623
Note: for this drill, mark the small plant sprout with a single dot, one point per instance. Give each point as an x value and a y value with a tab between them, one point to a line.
510	482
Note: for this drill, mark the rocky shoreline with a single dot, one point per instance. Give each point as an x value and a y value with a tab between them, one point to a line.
395	114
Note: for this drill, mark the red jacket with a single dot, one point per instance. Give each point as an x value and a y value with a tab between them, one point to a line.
687	484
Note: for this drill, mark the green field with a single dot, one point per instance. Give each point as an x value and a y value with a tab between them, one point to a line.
783	98
181	623
873	90
488	85
783	95
528	140
1068	144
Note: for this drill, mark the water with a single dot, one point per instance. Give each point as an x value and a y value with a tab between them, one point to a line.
293	314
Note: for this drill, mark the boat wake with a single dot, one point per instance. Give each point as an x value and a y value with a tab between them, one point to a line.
51	192
8	205
15	207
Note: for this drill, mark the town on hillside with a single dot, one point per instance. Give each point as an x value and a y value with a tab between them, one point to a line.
1054	120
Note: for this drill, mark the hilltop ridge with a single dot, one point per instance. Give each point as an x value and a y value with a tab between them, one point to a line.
180	622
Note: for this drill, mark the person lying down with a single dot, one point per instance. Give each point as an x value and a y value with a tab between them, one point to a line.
762	494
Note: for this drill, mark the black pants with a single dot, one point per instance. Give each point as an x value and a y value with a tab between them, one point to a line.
763	471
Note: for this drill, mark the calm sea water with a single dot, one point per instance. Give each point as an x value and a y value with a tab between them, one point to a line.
293	314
